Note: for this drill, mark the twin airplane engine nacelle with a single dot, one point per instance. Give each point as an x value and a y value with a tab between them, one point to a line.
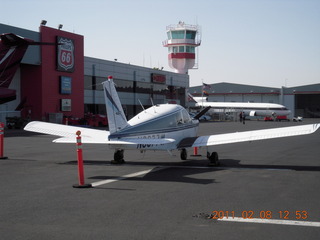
252	114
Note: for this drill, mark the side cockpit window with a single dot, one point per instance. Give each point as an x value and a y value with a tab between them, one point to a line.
183	117
186	117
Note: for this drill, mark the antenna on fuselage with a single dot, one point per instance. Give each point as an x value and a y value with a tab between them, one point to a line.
153	105
141	105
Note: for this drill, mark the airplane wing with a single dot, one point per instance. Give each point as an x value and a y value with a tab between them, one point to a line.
248	136
67	133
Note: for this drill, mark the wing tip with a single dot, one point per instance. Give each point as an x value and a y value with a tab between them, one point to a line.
316	126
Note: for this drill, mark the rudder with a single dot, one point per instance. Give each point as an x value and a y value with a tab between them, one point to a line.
116	117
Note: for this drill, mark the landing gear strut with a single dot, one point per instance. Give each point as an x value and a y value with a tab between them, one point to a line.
183	154
213	158
118	157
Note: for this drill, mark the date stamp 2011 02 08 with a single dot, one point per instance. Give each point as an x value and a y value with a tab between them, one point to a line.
264	214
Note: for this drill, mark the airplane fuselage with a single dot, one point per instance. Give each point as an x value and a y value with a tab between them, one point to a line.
163	121
250	109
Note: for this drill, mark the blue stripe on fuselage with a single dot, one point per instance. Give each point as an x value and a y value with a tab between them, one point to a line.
155	131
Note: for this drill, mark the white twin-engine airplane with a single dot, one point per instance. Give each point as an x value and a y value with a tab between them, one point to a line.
160	127
248	108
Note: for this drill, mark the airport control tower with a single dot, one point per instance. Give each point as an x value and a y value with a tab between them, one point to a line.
181	43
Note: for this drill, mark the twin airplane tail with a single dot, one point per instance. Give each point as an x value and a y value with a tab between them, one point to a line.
12	50
116	117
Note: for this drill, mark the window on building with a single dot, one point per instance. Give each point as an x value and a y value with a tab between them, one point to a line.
190	34
143	87
190	49
159	89
178	34
181	49
123	85
174	49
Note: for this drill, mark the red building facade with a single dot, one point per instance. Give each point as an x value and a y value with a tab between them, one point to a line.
56	86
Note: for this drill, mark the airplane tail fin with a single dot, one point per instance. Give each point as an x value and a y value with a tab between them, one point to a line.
116	117
191	98
12	50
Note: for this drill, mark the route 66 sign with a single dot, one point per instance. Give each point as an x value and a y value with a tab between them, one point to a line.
65	54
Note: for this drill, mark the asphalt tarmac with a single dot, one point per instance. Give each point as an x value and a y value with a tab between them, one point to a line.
268	189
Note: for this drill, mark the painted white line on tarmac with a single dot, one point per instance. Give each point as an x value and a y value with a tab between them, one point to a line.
271	221
103	182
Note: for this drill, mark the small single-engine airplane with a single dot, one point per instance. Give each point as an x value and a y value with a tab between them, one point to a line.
160	127
248	108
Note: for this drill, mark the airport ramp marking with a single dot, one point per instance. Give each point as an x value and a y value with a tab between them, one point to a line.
131	175
271	221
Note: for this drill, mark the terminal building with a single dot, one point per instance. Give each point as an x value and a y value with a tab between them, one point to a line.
56	81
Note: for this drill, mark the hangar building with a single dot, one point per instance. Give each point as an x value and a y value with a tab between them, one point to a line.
301	100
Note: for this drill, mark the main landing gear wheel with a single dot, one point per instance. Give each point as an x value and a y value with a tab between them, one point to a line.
183	154
118	157
214	159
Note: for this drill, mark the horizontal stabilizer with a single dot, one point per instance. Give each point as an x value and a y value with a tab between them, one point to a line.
68	133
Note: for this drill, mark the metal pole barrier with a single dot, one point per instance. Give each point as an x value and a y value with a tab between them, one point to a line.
195	152
2	141
80	164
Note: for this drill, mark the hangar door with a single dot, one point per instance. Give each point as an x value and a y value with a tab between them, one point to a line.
307	105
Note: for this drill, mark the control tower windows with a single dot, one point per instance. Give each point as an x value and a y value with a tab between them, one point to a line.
191	34
178	34
182	34
182	49
174	49
190	49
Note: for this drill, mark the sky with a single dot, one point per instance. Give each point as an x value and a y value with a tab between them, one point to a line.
270	43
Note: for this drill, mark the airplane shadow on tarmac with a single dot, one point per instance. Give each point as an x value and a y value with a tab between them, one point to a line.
231	163
168	172
225	164
183	171
171	174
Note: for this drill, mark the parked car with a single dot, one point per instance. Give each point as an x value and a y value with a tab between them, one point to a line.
297	119
277	118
